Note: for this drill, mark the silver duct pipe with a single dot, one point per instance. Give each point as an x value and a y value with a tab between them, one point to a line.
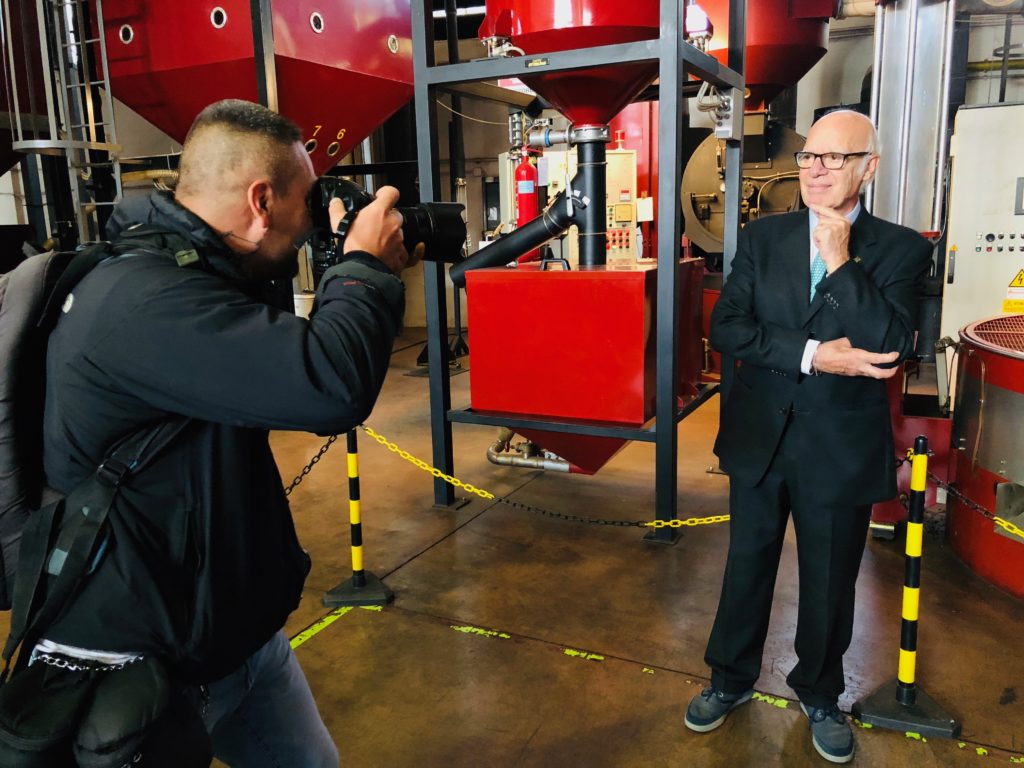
908	111
876	84
947	75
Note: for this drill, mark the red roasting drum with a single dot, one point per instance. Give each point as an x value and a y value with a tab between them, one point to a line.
989	465
342	68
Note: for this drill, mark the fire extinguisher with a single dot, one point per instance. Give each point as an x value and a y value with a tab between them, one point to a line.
527	199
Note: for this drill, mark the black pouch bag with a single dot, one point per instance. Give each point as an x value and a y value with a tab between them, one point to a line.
99	717
39	713
63	711
138	717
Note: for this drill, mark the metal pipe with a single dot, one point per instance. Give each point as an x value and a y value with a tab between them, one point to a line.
552	222
992	66
876	83
593	228
497	454
947	76
1006	59
908	111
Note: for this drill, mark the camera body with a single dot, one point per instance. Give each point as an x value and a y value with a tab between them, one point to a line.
439	226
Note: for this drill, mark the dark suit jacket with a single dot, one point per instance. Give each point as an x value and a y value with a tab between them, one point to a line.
842	433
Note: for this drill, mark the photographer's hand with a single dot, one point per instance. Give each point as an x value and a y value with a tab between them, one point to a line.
377	230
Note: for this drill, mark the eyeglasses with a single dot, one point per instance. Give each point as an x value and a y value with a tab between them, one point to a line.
832	161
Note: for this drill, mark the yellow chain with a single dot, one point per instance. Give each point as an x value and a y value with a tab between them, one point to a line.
420	464
1009	527
434	471
690	522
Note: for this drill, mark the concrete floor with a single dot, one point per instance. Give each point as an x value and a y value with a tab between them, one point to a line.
418	683
517	640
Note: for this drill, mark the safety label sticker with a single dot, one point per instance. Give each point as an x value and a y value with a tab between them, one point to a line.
1014	301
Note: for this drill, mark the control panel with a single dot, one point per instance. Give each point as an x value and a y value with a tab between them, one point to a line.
984	274
620	203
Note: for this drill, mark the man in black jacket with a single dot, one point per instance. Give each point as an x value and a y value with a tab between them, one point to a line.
818	308
205	565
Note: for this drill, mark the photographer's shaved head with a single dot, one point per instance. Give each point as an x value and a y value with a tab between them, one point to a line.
232	142
245	172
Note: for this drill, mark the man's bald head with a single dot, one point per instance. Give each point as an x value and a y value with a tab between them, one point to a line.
856	126
232	143
842	132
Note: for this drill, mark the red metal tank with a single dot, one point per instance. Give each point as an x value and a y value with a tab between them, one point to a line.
989	467
591	361
585	96
342	68
785	38
527	199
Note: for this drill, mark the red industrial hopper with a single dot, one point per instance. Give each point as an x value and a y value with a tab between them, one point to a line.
342	67
585	96
785	38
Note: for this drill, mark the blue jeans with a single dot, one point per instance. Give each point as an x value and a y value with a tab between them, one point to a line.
263	715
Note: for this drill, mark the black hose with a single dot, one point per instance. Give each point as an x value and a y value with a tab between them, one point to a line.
555	220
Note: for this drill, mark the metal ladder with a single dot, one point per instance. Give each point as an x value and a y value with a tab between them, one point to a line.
77	128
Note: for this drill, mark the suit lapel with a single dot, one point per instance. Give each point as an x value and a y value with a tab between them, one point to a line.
793	248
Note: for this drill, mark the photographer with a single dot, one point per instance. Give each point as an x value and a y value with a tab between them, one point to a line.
206	566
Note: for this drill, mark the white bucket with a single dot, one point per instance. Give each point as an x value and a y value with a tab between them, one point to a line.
303	304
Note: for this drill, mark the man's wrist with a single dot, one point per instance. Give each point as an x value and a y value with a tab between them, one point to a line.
807	361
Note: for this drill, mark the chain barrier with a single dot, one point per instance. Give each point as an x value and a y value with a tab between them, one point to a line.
309	467
1006	525
690	522
468	488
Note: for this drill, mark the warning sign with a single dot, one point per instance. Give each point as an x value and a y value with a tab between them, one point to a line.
1015	294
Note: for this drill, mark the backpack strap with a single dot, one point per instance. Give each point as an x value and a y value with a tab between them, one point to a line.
81	264
79	523
141	238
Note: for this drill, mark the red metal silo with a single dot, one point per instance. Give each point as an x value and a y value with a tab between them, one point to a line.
342	68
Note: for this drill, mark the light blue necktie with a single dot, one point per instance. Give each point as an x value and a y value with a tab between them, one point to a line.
817	273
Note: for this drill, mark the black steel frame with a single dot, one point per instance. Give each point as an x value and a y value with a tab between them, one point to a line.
677	61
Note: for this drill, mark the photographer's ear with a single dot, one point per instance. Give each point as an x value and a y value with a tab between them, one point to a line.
258	200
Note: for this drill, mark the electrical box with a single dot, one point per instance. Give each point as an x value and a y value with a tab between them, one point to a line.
620	203
985	229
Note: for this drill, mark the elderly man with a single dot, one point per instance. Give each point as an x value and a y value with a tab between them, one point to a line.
819	307
206	566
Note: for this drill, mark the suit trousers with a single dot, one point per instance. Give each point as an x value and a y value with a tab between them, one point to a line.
830	543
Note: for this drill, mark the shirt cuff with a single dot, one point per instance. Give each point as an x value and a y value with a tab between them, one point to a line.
809	349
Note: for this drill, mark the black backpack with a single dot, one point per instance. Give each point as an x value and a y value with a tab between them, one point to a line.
50	545
31	297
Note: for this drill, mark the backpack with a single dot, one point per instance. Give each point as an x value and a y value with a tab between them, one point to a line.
50	544
31	297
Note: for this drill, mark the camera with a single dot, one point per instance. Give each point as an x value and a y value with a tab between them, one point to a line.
439	226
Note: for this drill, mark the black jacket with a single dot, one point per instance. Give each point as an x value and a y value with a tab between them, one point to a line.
842	425
143	339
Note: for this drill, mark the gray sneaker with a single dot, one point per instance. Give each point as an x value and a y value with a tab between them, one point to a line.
711	706
830	733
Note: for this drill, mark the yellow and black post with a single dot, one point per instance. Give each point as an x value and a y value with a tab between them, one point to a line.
363	588
899	704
